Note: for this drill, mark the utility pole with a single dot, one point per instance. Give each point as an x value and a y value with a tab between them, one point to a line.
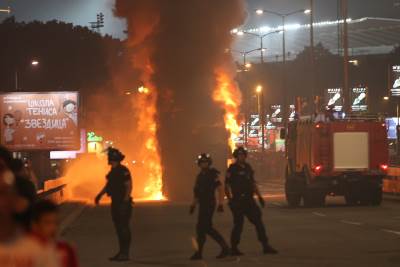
345	40
98	24
314	92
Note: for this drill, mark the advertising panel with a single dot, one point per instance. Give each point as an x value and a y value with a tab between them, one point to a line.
334	98
276	113
40	121
395	90
292	112
391	124
359	99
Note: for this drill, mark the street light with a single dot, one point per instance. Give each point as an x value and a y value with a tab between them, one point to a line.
143	90
34	63
283	16
246	67
261	37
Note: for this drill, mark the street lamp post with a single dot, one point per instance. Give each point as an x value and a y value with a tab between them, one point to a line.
34	63
283	16
345	40
314	92
246	67
261	37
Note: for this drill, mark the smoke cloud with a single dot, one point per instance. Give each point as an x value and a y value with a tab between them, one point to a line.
177	45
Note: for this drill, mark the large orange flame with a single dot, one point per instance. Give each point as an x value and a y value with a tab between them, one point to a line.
228	95
145	103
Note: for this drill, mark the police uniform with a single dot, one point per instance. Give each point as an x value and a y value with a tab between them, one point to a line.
204	191
240	179
121	210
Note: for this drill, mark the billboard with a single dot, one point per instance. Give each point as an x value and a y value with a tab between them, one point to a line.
359	99
276	113
391	124
334	98
71	154
292	112
40	121
395	90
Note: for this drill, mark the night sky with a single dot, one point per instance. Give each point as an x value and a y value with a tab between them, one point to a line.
83	11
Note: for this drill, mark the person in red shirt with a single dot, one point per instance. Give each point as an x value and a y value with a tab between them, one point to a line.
45	227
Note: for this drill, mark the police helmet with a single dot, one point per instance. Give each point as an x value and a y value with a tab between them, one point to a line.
204	158
115	155
239	150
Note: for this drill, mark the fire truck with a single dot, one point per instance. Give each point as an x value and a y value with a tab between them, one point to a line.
339	158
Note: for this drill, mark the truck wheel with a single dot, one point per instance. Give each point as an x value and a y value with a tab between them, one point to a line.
351	199
352	194
376	195
293	189
314	198
293	196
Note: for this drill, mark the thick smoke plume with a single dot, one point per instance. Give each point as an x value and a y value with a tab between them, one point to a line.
178	46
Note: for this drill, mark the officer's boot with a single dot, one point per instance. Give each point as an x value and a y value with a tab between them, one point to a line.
224	253
267	249
235	251
198	255
224	248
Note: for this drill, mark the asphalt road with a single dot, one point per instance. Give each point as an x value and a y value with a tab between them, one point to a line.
332	236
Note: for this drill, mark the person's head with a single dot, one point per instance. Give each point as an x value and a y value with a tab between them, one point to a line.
8	194
204	161
45	219
240	154
69	106
114	157
8	119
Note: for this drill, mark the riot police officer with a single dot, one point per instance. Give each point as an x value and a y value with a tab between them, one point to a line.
240	188
119	187
207	183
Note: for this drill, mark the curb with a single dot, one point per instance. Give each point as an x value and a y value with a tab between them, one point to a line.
391	197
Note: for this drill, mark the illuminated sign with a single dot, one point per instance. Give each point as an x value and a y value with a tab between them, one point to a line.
292	112
40	121
391	124
276	113
334	97
359	99
92	137
395	90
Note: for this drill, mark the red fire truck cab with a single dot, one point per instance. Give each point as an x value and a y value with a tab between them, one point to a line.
341	158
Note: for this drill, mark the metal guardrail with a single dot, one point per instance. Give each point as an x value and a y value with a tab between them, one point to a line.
51	192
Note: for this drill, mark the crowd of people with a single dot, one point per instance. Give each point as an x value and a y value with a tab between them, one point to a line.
29	225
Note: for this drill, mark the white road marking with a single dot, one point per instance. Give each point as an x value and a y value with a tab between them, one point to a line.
277	204
350	222
319	214
391	231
